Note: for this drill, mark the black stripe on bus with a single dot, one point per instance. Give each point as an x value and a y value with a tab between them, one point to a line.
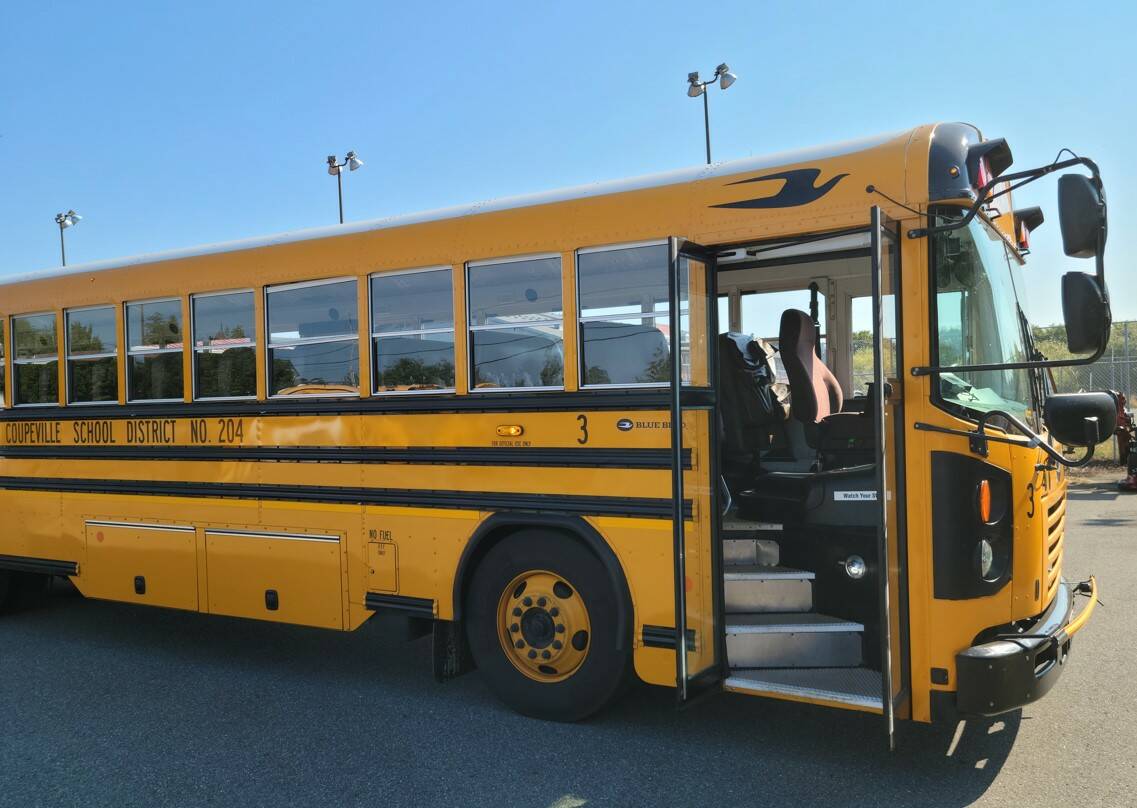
45	566
459	500
664	637
470	456
589	401
414	607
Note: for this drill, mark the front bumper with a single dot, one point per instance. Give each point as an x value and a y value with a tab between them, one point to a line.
1014	670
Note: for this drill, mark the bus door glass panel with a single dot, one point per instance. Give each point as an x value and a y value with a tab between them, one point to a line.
892	587
695	579
861	338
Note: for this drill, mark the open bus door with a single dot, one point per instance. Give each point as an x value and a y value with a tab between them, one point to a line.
888	412
694	471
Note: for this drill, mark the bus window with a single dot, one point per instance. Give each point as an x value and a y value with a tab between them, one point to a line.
3	361
762	317
516	324
412	330
313	338
92	355
224	346
724	313
154	350
35	360
624	315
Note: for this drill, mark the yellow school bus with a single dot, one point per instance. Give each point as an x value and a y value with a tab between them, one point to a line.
772	426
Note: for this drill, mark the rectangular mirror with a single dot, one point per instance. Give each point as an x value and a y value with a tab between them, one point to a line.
1081	212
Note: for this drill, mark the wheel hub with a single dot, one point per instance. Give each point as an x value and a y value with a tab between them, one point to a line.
543	625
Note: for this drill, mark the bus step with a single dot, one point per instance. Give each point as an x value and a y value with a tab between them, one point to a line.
792	640
852	687
761	588
750	551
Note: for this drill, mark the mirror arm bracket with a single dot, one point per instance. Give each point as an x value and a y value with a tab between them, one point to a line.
979	439
1026	177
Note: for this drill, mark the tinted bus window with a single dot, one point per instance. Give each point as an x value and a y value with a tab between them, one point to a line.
516	324
624	316
3	361
224	346
412	331
313	338
35	360
154	341
92	355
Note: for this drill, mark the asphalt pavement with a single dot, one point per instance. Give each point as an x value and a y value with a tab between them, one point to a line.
108	704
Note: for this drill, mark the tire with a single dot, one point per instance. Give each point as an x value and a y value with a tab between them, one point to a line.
553	596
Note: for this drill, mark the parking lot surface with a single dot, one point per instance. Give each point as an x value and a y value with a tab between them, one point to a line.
107	704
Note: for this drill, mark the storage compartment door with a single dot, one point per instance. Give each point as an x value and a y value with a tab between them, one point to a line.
141	563
286	577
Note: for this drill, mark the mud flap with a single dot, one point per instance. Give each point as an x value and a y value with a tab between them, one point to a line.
452	656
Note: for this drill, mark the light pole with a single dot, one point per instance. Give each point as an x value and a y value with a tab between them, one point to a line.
695	88
65	220
336	170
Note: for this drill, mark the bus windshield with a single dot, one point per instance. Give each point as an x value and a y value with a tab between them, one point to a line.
978	319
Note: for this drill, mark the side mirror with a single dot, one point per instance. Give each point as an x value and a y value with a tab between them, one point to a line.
1081	213
1081	419
1086	313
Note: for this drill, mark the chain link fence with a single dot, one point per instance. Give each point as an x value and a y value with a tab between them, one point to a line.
1116	370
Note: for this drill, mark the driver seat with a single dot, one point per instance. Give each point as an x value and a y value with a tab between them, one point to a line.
831	494
816	398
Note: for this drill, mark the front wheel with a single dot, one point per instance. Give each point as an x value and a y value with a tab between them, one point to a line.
541	622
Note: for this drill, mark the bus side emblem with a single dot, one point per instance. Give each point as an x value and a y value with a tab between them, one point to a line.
625	424
799	187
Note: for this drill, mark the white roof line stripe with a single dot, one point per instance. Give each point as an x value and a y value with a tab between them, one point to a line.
673	177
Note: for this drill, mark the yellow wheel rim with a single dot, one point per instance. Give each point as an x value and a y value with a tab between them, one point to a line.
543	625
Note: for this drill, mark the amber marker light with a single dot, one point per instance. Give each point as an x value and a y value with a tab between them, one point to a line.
983	501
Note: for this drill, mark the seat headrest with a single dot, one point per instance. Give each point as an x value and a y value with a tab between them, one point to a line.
814	391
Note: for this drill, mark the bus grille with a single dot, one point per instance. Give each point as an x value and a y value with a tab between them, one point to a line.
1055	530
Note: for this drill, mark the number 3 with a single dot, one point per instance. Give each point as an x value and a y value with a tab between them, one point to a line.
583	419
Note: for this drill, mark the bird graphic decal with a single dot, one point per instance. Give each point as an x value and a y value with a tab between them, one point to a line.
799	187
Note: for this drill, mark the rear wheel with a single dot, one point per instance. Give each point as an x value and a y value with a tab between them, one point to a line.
541	623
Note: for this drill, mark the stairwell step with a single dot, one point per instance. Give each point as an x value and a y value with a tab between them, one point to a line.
756	588
748	550
765	572
793	640
774	623
854	687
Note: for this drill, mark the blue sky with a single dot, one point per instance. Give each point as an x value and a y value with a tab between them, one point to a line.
168	125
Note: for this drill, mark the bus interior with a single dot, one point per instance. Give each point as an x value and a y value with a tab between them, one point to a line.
798	458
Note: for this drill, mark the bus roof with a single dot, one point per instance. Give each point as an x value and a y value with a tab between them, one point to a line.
673	177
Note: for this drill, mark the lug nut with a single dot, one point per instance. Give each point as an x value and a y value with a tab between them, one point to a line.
519	644
560	628
541	602
553	612
515	628
545	655
532	654
557	645
516	612
528	601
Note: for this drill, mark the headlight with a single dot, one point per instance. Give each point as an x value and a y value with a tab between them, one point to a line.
984	558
